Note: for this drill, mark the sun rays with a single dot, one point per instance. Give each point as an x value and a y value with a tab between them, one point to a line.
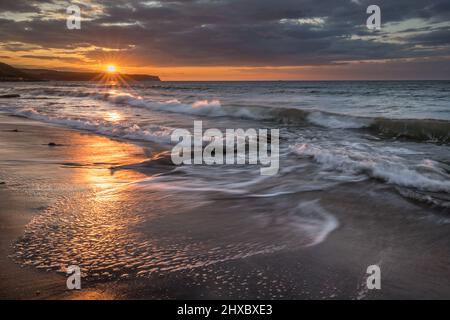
111	68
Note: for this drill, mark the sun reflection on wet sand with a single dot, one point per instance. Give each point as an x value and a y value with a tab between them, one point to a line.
96	156
90	224
115	229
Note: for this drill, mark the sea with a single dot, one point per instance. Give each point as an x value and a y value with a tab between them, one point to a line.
369	138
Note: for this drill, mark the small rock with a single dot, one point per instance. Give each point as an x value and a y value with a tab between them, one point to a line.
38	292
11	95
52	144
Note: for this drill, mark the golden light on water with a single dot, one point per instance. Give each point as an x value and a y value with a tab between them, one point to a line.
97	155
113	116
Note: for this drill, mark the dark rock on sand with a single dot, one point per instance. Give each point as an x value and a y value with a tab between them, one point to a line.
159	163
52	144
12	95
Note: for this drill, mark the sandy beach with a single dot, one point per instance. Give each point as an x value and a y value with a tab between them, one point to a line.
224	150
400	236
32	183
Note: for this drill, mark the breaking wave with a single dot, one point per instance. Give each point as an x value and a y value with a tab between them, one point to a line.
153	133
425	176
415	129
430	130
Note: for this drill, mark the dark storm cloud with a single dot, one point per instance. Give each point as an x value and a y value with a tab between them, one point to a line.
18	6
439	37
41	57
243	32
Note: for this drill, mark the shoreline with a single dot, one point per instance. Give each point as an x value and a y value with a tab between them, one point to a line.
384	233
19	282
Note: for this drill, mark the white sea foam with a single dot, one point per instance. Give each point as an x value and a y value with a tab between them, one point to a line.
202	107
154	133
315	221
388	168
198	107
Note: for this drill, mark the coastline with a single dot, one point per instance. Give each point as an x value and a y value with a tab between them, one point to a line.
27	157
335	268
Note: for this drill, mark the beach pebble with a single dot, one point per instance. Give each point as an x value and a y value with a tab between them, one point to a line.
10	96
52	144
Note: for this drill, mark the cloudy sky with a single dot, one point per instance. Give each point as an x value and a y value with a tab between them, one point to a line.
232	39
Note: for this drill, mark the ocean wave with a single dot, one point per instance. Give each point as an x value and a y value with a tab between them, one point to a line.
335	121
37	93
425	176
207	108
210	108
415	129
154	133
430	130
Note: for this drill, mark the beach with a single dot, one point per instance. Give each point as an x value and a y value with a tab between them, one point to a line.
106	205
34	183
224	153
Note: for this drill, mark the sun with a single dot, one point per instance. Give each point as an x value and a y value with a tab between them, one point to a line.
111	68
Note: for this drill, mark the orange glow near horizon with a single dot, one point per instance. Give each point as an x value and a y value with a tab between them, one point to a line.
111	68
167	73
356	70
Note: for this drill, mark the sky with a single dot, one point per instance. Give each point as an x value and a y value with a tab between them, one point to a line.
232	39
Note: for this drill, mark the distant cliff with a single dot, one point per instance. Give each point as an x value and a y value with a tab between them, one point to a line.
9	73
45	74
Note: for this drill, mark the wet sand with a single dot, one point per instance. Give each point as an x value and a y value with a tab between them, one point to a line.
34	176
406	239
